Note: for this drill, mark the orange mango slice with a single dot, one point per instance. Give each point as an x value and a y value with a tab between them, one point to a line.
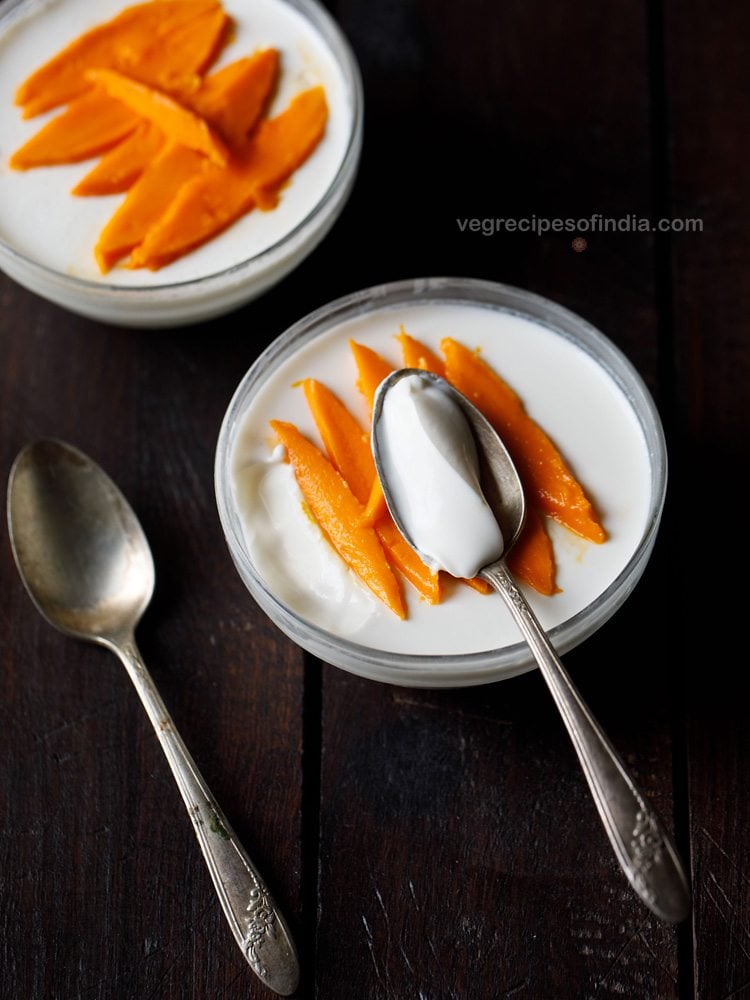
376	508
146	200
217	196
371	370
121	167
193	47
532	558
166	43
403	558
178	123
418	355
338	512
346	443
89	125
551	485
348	449
233	98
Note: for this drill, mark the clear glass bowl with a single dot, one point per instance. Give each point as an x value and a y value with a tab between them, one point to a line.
205	297
463	669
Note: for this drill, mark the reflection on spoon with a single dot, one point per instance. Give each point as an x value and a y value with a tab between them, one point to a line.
445	473
87	566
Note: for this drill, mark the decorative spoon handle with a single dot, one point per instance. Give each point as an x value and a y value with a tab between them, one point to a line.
255	920
641	845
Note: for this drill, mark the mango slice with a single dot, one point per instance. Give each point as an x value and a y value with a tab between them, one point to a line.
338	512
145	202
418	355
376	508
532	558
371	370
89	125
217	196
166	43
348	449
121	167
233	98
551	485
178	123
346	443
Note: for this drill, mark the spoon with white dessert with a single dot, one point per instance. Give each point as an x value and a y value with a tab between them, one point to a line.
456	497
87	566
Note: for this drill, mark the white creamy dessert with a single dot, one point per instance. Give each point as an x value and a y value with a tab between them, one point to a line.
429	461
280	535
565	390
42	221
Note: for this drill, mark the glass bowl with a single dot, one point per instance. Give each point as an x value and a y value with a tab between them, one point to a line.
172	298
454	669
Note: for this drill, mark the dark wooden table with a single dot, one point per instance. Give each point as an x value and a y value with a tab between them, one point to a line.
426	845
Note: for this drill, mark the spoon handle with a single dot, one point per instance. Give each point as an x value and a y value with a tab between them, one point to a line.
641	845
255	920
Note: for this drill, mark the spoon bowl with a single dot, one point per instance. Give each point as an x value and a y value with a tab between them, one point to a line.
498	477
87	566
642	847
80	549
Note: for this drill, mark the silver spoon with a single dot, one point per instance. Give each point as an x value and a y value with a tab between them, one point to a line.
87	566
642	847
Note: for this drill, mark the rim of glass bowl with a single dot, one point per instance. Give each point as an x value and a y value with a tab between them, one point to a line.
463	668
324	24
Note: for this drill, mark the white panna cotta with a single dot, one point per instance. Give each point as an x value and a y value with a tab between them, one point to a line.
565	389
42	223
429	460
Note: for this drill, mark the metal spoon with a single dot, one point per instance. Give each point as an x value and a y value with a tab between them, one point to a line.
644	850
87	565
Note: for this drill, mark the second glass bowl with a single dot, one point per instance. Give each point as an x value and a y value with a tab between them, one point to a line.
46	236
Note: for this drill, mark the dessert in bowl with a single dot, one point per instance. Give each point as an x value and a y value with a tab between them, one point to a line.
573	381
47	235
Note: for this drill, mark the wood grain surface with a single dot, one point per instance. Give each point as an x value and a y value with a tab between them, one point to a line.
708	79
425	845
